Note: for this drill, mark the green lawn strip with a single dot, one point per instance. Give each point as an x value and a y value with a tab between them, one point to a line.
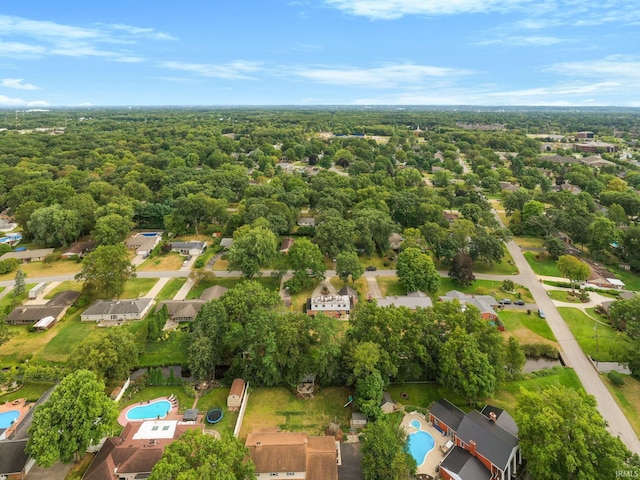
217	398
610	345
630	279
170	289
505	267
485	287
279	407
146	394
529	242
421	395
69	333
2	289
66	285
386	262
172	351
563	296
628	398
32	391
137	287
390	286
10	298
542	264
513	320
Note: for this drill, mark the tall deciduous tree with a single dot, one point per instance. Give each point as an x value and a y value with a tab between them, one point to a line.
19	282
112	229
464	368
555	247
562	435
602	232
196	456
307	262
514	358
385	454
574	269
78	414
348	264
417	272
461	269
106	270
5	333
251	250
111	354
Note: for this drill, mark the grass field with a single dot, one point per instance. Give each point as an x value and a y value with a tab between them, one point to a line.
526	328
608	346
217	398
628	398
505	267
390	286
631	280
66	285
138	287
542	264
279	407
171	261
529	242
30	390
68	334
172	351
41	269
171	288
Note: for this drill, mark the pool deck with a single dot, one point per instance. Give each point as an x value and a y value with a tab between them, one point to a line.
435	456
20	405
172	415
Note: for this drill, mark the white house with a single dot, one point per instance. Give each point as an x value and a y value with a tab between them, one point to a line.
117	310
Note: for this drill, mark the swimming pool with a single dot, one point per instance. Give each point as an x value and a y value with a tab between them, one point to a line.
150	411
7	418
421	443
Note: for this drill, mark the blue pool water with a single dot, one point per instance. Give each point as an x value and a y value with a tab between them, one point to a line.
415	424
420	444
150	411
151	234
7	418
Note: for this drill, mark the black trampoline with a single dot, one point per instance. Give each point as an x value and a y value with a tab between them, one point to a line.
214	415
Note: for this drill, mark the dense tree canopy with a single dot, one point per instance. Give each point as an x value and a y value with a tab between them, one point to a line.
106	270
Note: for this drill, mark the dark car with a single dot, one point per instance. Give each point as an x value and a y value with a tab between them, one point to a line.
371	268
505	301
518	302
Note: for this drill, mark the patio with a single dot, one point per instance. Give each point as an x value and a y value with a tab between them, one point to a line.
435	456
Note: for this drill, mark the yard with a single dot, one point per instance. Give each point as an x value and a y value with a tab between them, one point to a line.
563	296
628	398
485	287
529	242
8	299
217	398
421	395
542	264
387	262
361	285
526	328
149	393
42	269
138	287
279	407
172	351
171	261
599	341
63	286
30	390
170	289
390	286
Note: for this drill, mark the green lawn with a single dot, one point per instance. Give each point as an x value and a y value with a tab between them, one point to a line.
630	279
390	286
217	398
172	351
529	242
563	296
485	287
137	287
514	321
68	334
151	393
542	264
422	395
628	398
170	289
378	261
66	285
505	267
279	407
610	345
30	390
9	298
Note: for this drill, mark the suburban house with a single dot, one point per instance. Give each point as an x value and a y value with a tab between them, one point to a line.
117	310
189	248
488	438
234	399
352	293
213	293
226	242
596	161
27	256
143	243
603	278
56	308
332	305
79	249
387	405
484	303
293	455
411	301
135	452
286	244
604	306
594	147
306	222
186	310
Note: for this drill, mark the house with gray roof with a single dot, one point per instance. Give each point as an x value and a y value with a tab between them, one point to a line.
117	310
459	464
56	308
485	303
411	301
27	256
189	248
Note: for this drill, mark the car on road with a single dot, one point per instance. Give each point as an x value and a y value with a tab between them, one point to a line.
505	301
371	268
541	314
518	302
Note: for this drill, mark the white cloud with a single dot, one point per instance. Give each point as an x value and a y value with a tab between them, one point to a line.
20	50
17	84
18	102
392	9
377	77
621	68
516	41
238	70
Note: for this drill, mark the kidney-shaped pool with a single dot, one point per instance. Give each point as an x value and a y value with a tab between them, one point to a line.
150	411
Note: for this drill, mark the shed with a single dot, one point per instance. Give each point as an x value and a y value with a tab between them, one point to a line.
44	323
387	405
358	420
190	415
37	290
234	400
226	242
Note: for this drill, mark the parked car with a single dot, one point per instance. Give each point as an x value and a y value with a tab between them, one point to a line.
541	314
371	268
518	302
505	301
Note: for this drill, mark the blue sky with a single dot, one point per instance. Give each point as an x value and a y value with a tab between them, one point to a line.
319	52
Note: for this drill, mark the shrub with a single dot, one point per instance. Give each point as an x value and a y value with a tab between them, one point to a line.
199	262
540	350
615	377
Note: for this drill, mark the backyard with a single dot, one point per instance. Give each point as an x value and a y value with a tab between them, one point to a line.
217	398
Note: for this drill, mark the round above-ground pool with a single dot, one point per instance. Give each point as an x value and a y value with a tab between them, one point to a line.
214	415
421	443
8	418
150	411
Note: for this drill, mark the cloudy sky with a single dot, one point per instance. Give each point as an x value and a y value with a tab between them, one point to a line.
318	52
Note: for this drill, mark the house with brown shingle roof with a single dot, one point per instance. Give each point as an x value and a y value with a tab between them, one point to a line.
292	455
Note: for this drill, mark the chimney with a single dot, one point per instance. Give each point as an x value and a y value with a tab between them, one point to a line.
472	448
492	417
